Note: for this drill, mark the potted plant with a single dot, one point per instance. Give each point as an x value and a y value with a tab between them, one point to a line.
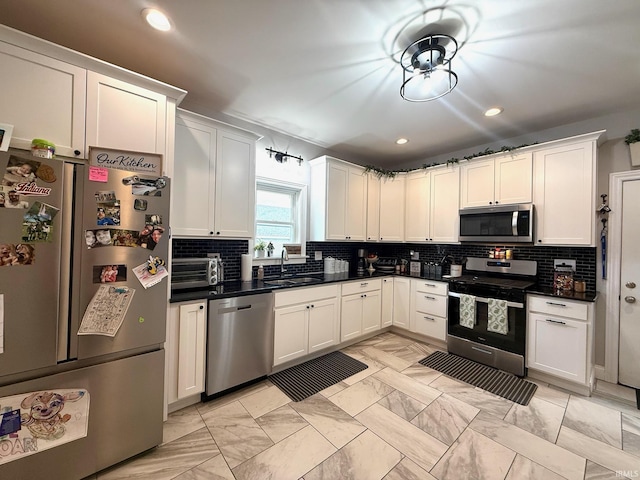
633	140
259	248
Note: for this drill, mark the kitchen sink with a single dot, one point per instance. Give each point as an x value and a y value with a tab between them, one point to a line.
292	281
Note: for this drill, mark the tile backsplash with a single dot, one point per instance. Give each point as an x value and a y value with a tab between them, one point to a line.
230	251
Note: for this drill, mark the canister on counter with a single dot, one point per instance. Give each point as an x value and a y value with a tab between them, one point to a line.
42	148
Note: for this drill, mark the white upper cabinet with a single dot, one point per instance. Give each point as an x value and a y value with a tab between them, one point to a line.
51	103
432	205
338	200
124	116
373	207
392	193
503	180
214	179
565	192
76	101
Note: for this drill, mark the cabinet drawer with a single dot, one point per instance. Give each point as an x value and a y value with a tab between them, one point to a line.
303	295
558	306
433	304
430	325
361	286
429	286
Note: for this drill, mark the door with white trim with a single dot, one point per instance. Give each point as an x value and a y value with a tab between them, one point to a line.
629	350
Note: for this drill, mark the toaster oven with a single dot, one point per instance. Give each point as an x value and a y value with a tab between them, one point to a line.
195	272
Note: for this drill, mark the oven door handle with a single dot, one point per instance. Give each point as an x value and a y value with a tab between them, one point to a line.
486	300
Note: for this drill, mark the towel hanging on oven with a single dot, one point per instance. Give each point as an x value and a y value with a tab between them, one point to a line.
498	319
467	310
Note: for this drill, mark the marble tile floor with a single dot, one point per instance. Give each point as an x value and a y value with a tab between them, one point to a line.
395	420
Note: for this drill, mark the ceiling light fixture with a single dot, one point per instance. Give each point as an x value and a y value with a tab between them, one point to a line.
156	19
402	141
492	112
282	156
426	68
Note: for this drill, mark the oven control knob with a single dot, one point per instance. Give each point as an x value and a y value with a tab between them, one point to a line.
630	285
630	299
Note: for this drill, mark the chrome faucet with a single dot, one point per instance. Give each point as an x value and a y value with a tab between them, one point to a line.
284	256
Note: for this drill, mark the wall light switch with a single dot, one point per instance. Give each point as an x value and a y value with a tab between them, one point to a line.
318	256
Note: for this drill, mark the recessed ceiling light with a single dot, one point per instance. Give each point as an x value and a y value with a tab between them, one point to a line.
492	112
156	19
401	141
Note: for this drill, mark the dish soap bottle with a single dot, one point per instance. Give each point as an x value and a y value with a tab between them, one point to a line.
260	272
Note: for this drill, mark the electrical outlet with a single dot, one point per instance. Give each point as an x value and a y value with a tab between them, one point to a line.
318	255
559	262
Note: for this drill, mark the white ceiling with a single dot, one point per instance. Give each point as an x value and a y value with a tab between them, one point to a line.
326	71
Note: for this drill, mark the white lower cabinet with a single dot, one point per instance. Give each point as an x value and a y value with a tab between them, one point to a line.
559	338
401	302
429	308
387	302
306	320
361	310
186	353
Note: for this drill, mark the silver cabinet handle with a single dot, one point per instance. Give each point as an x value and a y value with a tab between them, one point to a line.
429	285
364	284
429	318
630	299
429	298
558	322
630	284
555	304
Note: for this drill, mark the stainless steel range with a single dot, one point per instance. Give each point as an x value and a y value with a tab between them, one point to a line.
487	320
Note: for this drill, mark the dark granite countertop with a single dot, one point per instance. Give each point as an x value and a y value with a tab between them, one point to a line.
236	288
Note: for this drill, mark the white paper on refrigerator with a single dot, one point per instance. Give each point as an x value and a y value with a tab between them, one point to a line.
106	311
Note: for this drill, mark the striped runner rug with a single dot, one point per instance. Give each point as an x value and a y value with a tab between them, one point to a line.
308	378
505	385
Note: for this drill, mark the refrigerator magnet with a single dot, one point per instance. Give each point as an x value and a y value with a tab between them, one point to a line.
108	213
37	222
20	170
153	219
97	238
98	174
125	238
10	198
105	196
140	205
109	273
145	186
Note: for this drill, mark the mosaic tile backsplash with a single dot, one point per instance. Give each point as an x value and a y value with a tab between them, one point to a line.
230	251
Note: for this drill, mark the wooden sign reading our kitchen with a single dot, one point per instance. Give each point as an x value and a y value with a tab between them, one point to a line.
140	162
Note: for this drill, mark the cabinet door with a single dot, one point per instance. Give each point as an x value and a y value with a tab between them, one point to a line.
558	346
50	103
373	208
477	183
430	325
387	302
124	116
356	226
371	311
392	209
444	205
235	186
193	193
191	349
564	194
417	207
291	333
401	302
323	324
351	317
514	179
337	184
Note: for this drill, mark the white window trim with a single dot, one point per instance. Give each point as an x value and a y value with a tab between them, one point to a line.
302	220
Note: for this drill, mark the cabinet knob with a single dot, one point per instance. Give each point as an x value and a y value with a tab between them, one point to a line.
307	306
217	233
490	203
630	299
630	285
312	305
210	233
77	152
201	307
539	241
497	202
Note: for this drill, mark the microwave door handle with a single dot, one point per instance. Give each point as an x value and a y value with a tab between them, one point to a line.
514	224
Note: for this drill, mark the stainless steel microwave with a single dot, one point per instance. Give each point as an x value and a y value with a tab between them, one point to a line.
503	224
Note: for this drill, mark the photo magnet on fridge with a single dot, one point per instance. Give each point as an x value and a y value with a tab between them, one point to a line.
37	223
5	136
109	273
140	205
108	213
145	186
19	254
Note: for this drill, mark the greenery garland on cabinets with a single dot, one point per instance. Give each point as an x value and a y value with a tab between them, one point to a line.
381	172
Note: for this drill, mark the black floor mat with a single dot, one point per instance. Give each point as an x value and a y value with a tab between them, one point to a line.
487	378
308	378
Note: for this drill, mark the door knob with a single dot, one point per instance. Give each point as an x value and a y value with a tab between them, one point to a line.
630	299
630	285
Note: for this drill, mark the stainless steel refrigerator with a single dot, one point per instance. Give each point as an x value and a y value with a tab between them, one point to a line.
72	404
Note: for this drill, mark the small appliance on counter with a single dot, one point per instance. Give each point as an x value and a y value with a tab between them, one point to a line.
196	272
362	261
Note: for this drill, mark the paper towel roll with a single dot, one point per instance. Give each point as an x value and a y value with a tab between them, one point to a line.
245	267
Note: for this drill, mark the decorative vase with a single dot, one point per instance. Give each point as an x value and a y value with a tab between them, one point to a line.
260	253
634	148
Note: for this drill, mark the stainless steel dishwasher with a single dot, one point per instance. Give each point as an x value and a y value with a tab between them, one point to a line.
239	341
